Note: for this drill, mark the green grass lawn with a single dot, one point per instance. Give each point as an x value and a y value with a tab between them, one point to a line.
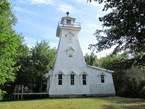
77	103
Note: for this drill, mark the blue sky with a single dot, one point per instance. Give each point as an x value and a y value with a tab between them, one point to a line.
38	20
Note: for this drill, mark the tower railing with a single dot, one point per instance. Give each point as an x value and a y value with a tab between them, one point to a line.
76	24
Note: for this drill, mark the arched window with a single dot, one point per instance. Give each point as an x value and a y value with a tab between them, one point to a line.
84	79
102	79
72	79
59	79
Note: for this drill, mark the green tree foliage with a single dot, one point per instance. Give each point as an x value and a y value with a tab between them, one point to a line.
43	60
134	82
35	65
8	45
128	80
114	61
23	60
22	55
126	28
91	59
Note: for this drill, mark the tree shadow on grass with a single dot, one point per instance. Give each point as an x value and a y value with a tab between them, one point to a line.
123	107
109	107
123	100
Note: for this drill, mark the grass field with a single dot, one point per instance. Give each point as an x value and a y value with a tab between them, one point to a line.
77	103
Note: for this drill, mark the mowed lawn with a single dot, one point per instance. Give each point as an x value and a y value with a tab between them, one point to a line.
77	103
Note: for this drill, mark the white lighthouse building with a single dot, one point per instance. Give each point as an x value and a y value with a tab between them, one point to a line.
71	76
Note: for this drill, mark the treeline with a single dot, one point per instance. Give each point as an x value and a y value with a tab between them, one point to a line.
33	66
129	79
20	65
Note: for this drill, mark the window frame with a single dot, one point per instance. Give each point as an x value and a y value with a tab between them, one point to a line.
84	80
72	80
68	21
60	79
102	79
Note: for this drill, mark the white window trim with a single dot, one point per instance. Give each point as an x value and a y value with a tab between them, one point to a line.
87	82
58	80
70	78
83	79
101	79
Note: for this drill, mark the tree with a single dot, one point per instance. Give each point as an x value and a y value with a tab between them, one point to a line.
8	45
22	57
34	66
126	28
115	62
91	59
128	80
42	62
23	60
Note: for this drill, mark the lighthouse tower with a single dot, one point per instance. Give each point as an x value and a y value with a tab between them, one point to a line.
70	75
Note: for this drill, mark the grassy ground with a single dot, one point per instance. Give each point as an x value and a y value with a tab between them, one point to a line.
77	103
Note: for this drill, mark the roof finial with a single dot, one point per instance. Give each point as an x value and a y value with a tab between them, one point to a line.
67	13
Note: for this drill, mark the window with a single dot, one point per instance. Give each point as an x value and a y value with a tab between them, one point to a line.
102	79
84	79
59	79
68	21
72	77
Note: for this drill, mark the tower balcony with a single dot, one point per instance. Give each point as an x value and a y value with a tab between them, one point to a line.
69	24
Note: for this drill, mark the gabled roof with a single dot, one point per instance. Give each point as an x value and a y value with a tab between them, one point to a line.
102	69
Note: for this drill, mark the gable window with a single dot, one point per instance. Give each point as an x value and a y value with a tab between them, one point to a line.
59	79
102	79
84	79
72	77
68	21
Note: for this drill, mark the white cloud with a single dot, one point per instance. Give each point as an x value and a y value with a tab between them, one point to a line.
81	1
100	54
53	40
96	4
98	15
61	6
94	26
65	7
53	44
50	37
93	3
30	41
91	25
48	2
23	10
